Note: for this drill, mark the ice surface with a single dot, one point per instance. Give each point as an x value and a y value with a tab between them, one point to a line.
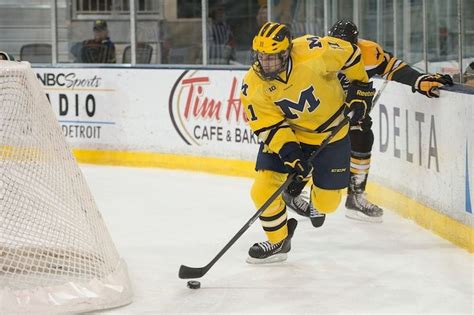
160	219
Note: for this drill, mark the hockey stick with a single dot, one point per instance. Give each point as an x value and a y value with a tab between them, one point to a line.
379	93
186	272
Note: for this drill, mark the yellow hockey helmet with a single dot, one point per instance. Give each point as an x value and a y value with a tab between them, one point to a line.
271	50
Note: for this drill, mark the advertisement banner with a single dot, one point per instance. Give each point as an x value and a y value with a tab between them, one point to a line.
423	147
195	112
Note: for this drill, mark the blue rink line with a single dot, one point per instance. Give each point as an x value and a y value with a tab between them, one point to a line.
86	122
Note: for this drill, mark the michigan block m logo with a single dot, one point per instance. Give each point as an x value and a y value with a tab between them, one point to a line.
306	96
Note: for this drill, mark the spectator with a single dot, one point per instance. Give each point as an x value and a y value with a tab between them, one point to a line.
469	74
467	77
283	11
100	49
164	38
76	50
6	56
262	16
221	39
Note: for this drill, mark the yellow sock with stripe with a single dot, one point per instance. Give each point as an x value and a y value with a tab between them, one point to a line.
273	219
360	166
275	226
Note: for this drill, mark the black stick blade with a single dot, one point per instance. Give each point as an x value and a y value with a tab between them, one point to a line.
186	272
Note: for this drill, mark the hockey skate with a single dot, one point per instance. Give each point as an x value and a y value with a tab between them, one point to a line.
317	218
301	205
266	252
359	208
357	205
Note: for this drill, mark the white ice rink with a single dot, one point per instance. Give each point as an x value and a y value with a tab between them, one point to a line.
160	219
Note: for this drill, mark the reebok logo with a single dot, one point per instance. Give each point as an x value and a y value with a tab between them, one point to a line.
338	170
362	93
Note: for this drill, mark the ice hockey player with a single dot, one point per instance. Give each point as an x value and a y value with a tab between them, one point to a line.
377	63
293	99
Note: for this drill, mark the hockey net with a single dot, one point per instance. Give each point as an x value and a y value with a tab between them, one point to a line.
56	254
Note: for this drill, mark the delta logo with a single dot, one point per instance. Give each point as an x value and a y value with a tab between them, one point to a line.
205	107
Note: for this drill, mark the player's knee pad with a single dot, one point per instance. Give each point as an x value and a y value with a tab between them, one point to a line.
325	200
362	141
265	184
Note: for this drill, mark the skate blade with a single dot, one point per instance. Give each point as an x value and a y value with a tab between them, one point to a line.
269	260
359	216
303	214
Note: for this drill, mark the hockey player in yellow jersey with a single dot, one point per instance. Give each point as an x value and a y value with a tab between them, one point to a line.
293	99
380	63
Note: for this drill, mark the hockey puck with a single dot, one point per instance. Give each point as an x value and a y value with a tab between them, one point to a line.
194	284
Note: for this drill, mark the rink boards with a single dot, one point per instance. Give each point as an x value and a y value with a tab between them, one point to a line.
422	165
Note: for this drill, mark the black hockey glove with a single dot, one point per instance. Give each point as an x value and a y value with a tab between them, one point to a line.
429	84
295	161
359	100
294	189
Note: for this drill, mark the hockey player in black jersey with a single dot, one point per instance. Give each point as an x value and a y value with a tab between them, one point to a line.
377	63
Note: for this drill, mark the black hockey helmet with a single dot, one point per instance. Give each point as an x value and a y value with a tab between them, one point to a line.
346	30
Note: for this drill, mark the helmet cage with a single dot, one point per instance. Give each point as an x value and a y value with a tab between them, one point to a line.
282	58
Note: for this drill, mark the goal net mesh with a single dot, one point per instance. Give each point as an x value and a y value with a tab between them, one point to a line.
55	251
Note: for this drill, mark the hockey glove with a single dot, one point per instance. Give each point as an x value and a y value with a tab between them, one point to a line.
429	84
295	189
295	161
359	100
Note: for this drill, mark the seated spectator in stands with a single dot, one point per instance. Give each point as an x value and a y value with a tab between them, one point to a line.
165	40
100	49
221	39
6	56
76	50
262	15
469	74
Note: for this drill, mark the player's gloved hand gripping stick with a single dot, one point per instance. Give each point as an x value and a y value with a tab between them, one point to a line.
359	100
186	272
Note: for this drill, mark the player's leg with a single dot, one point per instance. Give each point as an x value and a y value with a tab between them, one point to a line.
330	177
295	200
358	207
325	201
292	195
270	176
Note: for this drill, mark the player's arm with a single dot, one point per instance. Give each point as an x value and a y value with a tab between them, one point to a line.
394	69
344	56
340	55
269	124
